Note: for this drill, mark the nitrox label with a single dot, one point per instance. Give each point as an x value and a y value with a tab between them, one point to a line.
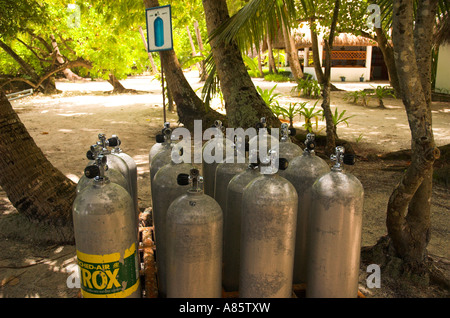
109	275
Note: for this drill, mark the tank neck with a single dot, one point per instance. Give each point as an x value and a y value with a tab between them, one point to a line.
195	192
101	181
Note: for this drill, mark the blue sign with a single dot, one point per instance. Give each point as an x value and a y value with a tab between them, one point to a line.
159	28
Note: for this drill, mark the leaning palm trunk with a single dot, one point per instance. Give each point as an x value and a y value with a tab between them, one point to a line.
34	186
243	104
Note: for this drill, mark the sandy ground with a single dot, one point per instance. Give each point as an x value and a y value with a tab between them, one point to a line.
65	125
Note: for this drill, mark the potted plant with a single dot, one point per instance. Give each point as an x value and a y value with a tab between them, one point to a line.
361	78
342	78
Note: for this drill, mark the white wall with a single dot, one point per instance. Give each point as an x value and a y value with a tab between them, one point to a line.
351	74
443	67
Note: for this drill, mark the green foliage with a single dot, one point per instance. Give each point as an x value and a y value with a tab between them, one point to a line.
251	64
268	95
309	114
280	77
17	15
364	96
339	118
355	96
307	87
290	112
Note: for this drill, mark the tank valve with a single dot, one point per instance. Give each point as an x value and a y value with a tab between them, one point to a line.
262	123
340	157
269	162
114	141
284	132
310	142
194	178
97	169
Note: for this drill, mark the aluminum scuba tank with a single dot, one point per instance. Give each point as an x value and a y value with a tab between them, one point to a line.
106	237
114	162
210	160
232	226
194	243
165	190
115	142
113	175
302	172
164	156
161	138
334	236
287	149
269	216
225	171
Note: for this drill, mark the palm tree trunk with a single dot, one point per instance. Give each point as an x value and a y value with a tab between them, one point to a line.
243	104
33	185
292	54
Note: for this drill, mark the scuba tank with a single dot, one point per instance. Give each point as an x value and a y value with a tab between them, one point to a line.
194	243
161	139
268	221
165	190
287	149
209	157
113	175
232	226
106	237
302	172
334	236
115	142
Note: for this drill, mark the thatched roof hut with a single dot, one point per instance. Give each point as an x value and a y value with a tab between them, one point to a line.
302	38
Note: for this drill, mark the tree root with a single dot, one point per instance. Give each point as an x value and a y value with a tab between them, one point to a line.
404	277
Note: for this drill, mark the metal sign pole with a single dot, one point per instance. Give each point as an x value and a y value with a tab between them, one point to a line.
162	81
159	36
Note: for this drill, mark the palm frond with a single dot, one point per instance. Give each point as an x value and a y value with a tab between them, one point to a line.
250	25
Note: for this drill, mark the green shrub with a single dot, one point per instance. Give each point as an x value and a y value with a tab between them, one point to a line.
280	77
307	87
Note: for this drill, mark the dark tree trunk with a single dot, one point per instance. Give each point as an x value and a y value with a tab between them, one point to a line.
292	54
33	185
243	104
272	65
326	83
408	212
388	56
117	86
45	83
189	106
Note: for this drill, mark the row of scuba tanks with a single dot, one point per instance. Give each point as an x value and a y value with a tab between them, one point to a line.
237	226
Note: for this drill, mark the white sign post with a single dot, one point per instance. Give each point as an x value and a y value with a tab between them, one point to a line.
159	36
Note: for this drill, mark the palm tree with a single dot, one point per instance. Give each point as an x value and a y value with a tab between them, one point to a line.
244	106
247	28
33	185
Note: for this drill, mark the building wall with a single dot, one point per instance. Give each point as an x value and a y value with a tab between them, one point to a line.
352	74
443	67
